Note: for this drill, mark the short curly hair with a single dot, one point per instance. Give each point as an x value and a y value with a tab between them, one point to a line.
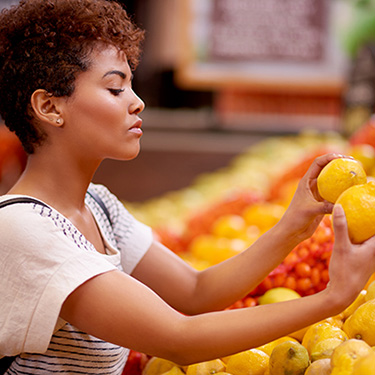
45	44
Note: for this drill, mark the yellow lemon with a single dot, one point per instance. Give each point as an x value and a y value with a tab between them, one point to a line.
249	362
361	298
361	324
365	154
324	348
345	356
319	367
365	365
337	176
289	357
278	294
267	348
213	250
370	292
174	371
157	366
358	203
231	226
207	367
264	215
319	332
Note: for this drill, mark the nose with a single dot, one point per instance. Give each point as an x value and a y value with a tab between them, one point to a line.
137	105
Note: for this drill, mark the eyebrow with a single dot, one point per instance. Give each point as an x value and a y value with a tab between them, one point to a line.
117	72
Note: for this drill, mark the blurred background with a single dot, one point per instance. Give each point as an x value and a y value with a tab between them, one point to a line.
219	76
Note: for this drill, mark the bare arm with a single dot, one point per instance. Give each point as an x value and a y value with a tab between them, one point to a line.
220	286
119	309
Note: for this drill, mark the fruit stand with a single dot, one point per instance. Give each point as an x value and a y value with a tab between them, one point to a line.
223	212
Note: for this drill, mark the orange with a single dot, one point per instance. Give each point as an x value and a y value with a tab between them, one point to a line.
337	176
358	203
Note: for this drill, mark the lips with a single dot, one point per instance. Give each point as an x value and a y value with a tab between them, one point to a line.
136	128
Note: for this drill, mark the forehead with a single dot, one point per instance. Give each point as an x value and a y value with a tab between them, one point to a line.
103	59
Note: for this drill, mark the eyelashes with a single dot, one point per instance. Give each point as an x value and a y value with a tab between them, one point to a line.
116	92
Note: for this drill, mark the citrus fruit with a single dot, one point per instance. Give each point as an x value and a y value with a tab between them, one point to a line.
207	367
361	298
324	348
365	154
267	348
347	354
365	365
231	226
174	371
358	203
337	176
370	292
264	215
319	367
156	366
361	324
250	362
319	332
278	294
289	357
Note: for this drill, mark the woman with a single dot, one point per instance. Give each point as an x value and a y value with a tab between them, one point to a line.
77	289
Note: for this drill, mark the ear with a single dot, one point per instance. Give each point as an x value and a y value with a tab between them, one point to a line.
45	108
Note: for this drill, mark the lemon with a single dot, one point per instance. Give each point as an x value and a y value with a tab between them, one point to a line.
212	249
324	348
174	371
264	215
365	154
361	298
358	203
345	356
370	292
157	366
249	362
207	367
319	367
267	348
278	294
289	357
230	226
337	176
365	365
361	324
319	332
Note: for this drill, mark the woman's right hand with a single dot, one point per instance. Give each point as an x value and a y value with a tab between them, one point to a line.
351	265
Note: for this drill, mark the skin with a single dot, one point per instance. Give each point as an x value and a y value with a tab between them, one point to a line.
166	308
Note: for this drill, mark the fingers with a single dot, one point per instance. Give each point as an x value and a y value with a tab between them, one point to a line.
320	162
340	227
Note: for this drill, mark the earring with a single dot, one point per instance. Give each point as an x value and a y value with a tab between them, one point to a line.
58	121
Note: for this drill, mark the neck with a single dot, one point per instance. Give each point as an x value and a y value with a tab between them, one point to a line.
59	181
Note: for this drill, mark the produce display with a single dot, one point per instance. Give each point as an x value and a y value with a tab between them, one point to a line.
223	212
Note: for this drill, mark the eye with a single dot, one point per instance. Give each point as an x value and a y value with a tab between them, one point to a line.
116	92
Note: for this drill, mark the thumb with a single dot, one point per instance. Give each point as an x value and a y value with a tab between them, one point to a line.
340	226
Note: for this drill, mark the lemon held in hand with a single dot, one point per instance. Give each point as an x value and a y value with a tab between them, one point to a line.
358	203
339	175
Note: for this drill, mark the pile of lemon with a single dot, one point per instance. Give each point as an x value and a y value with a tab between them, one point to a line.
340	345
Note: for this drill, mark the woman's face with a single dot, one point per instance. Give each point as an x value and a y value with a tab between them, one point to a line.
101	117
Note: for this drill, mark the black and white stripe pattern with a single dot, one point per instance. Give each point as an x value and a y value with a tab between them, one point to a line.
72	352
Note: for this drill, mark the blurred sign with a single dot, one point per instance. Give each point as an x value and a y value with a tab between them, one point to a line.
268	30
267	45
